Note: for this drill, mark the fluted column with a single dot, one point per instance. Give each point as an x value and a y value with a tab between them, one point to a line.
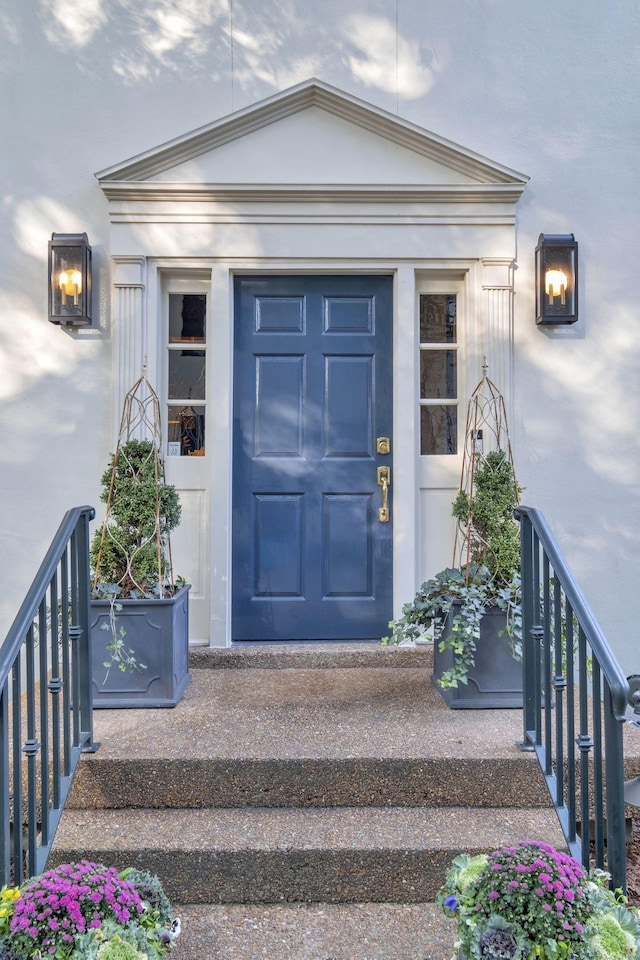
497	308
129	328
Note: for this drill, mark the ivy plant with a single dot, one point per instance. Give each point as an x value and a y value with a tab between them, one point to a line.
491	578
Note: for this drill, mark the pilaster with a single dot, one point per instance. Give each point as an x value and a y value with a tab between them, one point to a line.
129	327
497	308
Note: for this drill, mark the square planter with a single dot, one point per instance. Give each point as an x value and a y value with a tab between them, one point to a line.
496	679
157	631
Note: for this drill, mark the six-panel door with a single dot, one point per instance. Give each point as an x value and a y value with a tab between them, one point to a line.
312	559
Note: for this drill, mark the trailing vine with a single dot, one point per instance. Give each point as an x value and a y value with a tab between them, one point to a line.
468	594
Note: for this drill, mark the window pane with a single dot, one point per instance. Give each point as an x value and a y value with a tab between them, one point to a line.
438	318
438	375
438	429
186	375
185	431
187	317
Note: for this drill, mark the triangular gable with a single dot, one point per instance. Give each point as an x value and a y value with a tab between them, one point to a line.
336	139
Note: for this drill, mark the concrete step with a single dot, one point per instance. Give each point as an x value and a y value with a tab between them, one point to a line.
309	737
310	655
277	782
359	931
325	855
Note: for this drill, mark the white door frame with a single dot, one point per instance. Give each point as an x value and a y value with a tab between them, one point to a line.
417	206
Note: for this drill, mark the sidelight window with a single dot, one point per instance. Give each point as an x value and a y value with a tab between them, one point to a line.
438	374
187	360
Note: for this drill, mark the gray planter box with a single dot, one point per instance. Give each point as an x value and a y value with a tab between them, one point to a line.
496	679
157	631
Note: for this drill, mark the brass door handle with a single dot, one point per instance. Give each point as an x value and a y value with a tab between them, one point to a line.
384	481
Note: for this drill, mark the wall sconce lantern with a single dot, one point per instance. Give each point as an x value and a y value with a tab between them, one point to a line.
556	279
70	279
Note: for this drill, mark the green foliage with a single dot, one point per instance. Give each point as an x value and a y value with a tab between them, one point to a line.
119	950
492	577
121	656
113	941
6	951
470	592
492	532
142	510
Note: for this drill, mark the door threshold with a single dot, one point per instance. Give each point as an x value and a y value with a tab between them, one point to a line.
295	644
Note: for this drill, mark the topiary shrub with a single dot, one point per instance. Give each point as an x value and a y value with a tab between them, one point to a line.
129	554
492	534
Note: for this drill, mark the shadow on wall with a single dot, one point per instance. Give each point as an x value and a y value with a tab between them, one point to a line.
251	39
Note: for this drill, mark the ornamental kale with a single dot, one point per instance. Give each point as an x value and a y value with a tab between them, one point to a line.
611	935
6	951
150	892
500	941
533	902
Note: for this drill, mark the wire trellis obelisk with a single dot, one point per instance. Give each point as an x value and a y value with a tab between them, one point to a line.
141	421
486	430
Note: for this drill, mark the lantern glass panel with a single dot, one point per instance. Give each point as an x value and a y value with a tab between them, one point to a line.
67	298
559	301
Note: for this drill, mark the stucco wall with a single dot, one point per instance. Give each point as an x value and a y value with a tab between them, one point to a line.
546	88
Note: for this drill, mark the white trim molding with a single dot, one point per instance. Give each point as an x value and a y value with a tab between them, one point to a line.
129	327
497	306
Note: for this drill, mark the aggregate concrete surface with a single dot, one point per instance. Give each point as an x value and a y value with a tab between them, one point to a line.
380	726
363	931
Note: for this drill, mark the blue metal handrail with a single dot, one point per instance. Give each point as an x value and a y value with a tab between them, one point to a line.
575	699
45	700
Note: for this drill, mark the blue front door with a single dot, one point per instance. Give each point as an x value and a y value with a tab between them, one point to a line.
312	553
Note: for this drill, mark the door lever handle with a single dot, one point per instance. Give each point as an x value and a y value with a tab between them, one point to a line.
384	481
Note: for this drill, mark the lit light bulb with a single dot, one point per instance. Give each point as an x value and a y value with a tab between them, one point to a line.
70	284
555	282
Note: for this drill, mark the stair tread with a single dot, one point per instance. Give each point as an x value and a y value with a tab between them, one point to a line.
336	713
359	931
269	829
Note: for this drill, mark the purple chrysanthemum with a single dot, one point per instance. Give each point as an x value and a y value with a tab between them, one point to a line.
536	887
72	898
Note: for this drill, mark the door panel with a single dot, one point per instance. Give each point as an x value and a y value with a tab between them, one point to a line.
279	406
312	392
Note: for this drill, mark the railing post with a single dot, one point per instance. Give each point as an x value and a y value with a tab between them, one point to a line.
528	677
614	776
84	624
5	790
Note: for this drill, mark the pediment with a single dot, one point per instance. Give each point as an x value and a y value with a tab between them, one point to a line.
311	137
